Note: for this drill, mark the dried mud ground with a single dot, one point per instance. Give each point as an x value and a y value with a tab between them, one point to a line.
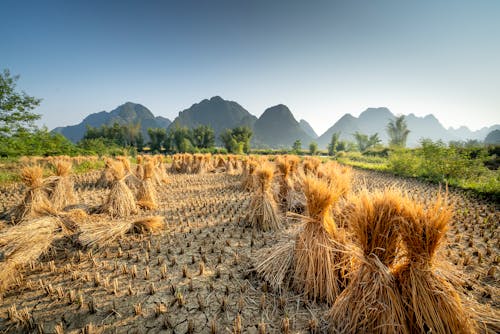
207	253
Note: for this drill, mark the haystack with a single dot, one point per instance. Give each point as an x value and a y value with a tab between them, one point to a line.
146	195
132	181
371	302
61	185
102	234
315	259
23	243
320	261
35	202
432	302
248	182
263	211
106	177
120	201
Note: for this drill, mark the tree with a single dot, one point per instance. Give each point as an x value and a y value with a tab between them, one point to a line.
332	147
243	134
364	142
236	140
181	138
313	148
15	107
203	136
398	132
297	146
157	137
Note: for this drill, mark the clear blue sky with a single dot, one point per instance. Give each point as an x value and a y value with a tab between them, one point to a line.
321	58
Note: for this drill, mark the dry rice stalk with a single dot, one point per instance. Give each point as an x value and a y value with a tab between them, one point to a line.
285	184
35	202
23	243
248	182
103	234
275	263
319	258
106	177
120	201
371	302
263	212
62	188
146	195
432	303
130	179
149	224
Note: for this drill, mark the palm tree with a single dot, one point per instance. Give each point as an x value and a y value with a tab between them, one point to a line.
398	131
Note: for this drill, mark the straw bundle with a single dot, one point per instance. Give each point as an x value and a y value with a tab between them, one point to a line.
130	179
139	170
106	177
285	185
120	201
371	302
23	243
35	202
146	195
433	304
319	258
62	187
264	213
103	234
248	182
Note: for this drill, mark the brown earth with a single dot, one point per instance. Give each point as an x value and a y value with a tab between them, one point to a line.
208	251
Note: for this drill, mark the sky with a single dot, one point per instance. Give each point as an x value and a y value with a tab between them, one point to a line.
320	58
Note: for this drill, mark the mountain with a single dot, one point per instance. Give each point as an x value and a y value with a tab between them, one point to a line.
493	137
308	129
277	128
216	112
464	132
128	113
375	120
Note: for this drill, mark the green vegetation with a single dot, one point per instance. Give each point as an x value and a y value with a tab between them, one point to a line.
297	147
398	132
333	145
237	140
457	165
313	148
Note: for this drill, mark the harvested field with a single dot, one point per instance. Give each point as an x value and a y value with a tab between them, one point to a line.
196	276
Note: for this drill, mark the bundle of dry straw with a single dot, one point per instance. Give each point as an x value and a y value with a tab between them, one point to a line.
432	303
120	201
146	195
23	243
35	202
61	185
103	234
371	302
316	260
263	211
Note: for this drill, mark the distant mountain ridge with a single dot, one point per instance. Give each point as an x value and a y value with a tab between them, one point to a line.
276	127
127	113
375	120
217	113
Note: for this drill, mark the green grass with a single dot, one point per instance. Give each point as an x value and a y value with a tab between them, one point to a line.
442	167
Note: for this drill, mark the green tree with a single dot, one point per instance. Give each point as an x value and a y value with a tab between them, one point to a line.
398	132
297	146
364	142
181	138
157	136
332	147
313	148
203	136
15	107
242	135
237	140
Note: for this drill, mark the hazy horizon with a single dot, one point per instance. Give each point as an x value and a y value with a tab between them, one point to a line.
322	59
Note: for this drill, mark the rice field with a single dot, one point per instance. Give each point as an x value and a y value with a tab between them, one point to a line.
232	244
